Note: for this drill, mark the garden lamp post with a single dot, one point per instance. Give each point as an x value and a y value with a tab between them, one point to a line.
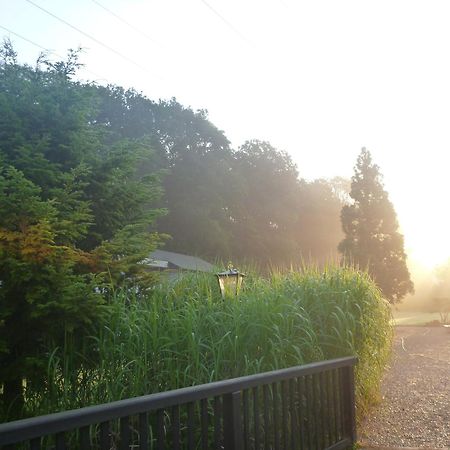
230	282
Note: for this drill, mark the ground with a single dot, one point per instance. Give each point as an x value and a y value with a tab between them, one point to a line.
415	407
414	318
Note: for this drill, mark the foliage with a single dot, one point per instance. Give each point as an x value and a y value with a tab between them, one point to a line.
74	214
372	240
195	156
264	205
184	334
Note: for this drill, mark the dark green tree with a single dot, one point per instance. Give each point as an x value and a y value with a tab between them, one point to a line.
372	240
75	215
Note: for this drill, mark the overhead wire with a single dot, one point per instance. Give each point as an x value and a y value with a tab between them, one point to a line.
130	25
227	22
92	38
142	144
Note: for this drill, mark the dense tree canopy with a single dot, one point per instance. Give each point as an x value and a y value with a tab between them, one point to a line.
372	240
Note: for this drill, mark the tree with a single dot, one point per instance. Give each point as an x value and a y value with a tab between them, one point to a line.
264	206
372	240
42	293
75	214
196	158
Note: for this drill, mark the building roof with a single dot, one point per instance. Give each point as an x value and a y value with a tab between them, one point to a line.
170	260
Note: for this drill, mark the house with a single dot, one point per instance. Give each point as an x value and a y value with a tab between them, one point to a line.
173	263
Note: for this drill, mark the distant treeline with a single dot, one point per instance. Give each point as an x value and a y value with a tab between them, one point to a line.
222	203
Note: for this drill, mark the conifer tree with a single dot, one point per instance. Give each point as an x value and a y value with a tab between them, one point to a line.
76	218
370	225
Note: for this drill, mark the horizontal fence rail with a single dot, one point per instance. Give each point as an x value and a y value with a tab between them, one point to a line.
309	407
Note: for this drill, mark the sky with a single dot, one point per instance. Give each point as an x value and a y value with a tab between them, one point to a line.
319	79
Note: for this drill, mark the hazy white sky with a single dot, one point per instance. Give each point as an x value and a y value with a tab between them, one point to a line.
319	79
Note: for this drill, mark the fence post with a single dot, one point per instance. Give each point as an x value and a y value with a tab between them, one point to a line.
232	434
349	402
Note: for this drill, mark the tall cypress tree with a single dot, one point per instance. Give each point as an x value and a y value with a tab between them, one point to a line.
372	240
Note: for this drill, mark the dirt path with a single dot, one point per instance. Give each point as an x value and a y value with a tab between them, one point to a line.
415	410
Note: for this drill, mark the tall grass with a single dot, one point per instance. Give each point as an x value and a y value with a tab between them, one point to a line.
183	334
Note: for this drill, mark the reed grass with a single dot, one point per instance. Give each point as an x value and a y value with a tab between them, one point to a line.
183	333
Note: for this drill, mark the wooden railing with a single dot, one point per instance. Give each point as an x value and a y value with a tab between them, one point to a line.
307	407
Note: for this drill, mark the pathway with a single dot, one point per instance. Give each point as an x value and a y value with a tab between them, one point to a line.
415	407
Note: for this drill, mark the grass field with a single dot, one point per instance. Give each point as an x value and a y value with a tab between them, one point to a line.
414	318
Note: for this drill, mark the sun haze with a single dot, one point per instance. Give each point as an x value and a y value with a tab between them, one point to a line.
317	79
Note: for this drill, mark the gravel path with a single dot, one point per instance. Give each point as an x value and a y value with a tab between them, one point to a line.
415	406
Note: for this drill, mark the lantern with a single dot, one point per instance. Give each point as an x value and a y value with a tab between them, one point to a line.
230	282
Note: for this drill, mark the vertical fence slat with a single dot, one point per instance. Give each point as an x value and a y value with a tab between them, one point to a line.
331	405
276	419
341	404
124	433
35	444
217	423
284	403
309	411
321	408
266	407
143	431
160	438
349	402
232	421
335	387
316	412
85	440
176	434
330	415
60	441
256	418
246	419
104	436
191	425
293	413
301	409
204	423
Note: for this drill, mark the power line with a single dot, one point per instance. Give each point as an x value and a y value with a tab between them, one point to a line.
47	50
27	40
229	24
90	37
128	23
